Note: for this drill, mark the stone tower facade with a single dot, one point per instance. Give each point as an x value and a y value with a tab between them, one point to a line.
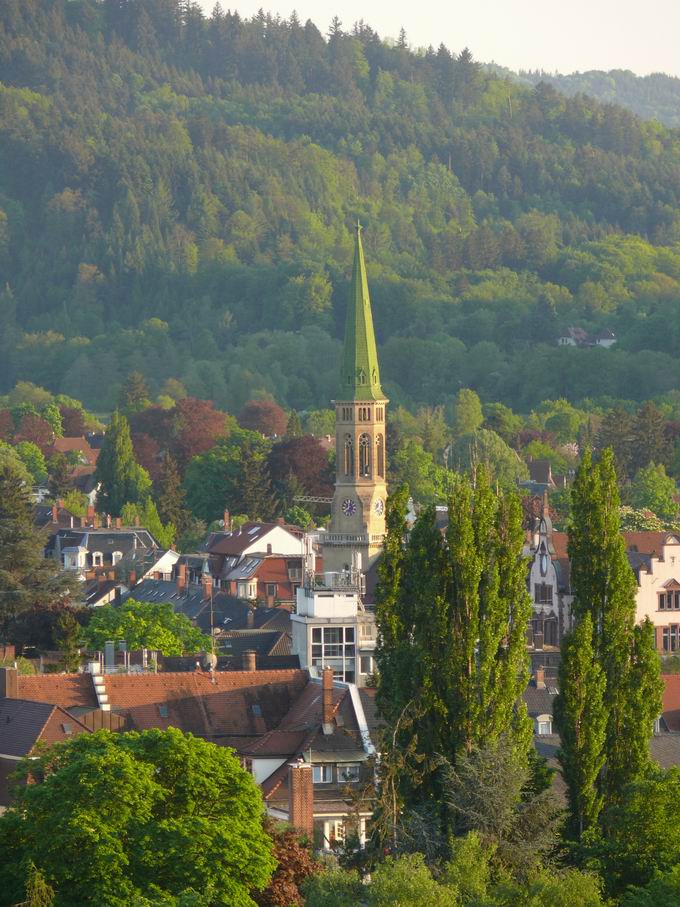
358	509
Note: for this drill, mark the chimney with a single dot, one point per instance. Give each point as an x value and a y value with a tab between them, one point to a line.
301	797
226	519
137	520
96	521
101	578
327	700
55	513
9	684
207	582
111	575
250	619
250	660
132	578
280	521
118	522
181	578
539	677
90	515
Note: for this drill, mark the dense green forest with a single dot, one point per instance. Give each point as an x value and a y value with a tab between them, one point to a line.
177	193
654	96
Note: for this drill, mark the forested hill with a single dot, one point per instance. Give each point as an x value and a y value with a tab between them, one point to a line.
177	194
654	96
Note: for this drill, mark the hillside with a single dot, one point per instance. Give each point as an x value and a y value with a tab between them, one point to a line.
177	193
656	96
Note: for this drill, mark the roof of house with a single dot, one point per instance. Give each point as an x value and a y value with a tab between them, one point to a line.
239	540
239	704
65	690
123	540
374	720
539	702
23	723
540	472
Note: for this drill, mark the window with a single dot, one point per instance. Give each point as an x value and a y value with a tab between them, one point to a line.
366	664
544	726
365	457
550	632
97	559
349	456
271	589
674	637
116	556
163	710
666	639
662	601
543	594
676	600
67	728
348	774
380	455
378	414
346	414
322	774
335	647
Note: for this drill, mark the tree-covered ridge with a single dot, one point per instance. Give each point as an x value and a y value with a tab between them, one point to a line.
656	95
176	193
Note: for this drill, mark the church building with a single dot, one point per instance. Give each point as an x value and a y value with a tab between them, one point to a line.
358	510
332	627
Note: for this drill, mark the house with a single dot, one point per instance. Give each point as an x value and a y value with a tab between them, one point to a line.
75	447
89	547
271	718
655	560
664	745
316	768
579	337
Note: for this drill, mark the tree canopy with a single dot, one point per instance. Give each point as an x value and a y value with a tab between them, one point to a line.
145	625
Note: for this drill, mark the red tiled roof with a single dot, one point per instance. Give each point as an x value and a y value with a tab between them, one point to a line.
67	445
646	542
65	690
237	703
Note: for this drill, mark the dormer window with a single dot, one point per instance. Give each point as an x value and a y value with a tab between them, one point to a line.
97	559
116	556
543	725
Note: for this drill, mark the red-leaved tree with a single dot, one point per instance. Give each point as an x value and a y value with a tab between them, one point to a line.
264	416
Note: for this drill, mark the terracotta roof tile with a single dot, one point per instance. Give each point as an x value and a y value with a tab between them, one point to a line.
65	690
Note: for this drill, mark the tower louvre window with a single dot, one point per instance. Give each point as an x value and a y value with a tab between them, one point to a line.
349	456
365	456
380	456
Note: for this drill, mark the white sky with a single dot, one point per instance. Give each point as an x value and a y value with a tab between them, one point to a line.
563	35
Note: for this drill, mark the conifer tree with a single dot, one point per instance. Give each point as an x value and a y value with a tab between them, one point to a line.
604	589
294	426
257	496
581	720
170	499
134	395
122	479
27	577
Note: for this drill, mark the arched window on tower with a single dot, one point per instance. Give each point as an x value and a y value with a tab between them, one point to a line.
349	456
365	457
380	455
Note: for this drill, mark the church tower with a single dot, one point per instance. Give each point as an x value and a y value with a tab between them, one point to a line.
358	509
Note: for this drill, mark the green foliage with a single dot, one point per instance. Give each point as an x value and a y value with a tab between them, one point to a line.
604	589
148	517
581	720
662	891
415	467
138	818
69	636
640	837
407	882
23	665
467	412
26	574
75	502
653	490
33	459
123	480
451	620
134	395
486	447
220	254
145	625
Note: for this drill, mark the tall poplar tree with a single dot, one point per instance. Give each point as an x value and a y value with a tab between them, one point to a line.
582	722
123	480
452	613
604	590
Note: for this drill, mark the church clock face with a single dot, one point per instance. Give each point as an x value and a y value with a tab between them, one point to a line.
379	507
349	508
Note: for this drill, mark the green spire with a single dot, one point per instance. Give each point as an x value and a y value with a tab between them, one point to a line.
360	378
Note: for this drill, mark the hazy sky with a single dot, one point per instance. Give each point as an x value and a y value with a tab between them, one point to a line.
566	35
